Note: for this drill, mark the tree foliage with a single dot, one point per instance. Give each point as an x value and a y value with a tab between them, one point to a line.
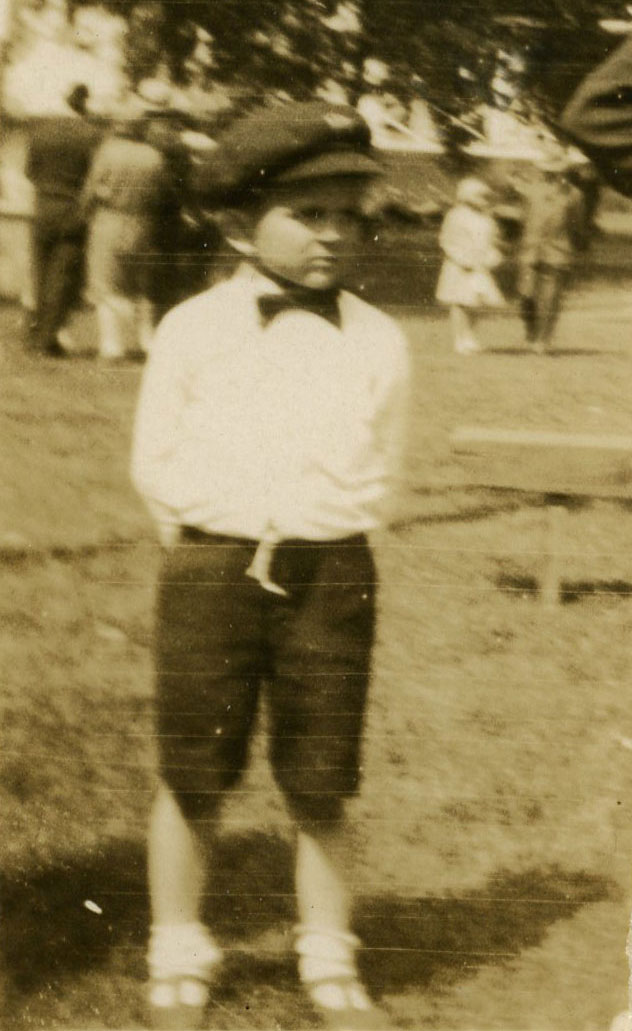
447	49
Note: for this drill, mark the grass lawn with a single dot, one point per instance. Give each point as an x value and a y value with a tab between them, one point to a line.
494	829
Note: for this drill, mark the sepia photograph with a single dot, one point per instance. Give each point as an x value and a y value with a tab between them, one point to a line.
316	515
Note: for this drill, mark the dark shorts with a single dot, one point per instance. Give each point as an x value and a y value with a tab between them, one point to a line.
220	637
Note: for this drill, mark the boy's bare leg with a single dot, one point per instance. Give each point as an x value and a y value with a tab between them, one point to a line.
176	863
146	323
463	320
114	317
182	954
322	896
325	945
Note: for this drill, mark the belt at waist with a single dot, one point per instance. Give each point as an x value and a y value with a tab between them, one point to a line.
264	555
195	535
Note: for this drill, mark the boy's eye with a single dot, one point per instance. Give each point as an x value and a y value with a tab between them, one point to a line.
313	216
310	214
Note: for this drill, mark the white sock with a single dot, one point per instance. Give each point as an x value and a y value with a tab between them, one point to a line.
327	955
323	952
182	950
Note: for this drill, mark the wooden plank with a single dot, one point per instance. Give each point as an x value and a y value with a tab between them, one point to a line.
595	465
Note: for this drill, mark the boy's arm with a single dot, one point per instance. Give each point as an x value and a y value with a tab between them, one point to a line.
599	117
155	438
393	423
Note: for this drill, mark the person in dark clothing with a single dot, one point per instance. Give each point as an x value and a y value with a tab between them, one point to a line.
59	154
554	231
162	130
598	119
187	239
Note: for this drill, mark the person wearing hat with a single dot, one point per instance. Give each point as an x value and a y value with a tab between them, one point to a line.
470	241
59	152
267	441
554	230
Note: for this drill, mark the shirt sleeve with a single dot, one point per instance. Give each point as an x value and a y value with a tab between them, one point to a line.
598	117
156	427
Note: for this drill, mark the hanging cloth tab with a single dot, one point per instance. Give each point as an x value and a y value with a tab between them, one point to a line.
259	568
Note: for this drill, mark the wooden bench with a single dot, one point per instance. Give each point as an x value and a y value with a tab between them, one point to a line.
560	466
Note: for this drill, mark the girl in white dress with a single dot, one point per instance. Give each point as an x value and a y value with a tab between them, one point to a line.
470	242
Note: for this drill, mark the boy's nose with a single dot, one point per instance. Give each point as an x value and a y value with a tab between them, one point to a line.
329	230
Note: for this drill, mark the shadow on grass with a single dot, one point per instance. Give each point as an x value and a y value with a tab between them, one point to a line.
68	917
570	591
582	588
517	351
413	941
496	505
558	352
585	352
407	942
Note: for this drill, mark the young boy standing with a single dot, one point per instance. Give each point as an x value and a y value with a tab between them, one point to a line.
268	434
554	231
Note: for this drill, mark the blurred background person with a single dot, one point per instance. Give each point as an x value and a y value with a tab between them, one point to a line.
598	118
554	230
59	153
167	129
470	241
129	191
200	239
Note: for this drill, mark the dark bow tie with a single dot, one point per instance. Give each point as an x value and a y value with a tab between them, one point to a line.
319	302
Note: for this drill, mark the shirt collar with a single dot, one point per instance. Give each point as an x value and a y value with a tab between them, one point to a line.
255	280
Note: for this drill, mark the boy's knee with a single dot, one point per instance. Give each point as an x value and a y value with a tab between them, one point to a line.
315	809
194	801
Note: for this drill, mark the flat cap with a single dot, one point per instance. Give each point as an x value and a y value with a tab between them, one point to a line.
289	142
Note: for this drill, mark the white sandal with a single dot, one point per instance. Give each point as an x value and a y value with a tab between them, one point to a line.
328	973
177	1003
343	1005
183	962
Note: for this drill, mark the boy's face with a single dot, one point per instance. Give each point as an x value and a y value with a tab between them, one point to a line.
308	232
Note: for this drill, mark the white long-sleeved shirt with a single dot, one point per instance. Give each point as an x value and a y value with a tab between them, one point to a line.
294	430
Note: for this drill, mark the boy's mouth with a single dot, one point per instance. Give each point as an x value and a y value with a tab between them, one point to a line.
324	261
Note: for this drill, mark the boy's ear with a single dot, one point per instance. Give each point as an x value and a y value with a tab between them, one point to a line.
236	229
